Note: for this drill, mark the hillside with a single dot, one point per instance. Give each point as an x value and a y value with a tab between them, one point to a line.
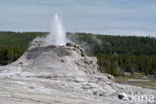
116	54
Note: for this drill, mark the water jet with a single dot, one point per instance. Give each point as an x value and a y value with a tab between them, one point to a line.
57	34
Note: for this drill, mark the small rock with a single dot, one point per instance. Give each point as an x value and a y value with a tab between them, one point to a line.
62	60
122	96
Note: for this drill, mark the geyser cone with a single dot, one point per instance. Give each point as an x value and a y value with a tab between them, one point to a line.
57	34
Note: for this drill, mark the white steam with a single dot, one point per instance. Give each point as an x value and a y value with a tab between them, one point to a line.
57	34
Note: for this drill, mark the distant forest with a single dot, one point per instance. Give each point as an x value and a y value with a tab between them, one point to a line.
116	54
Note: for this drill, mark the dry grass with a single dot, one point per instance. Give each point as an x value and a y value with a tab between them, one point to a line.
145	83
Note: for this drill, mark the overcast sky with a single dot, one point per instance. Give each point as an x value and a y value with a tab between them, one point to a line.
125	17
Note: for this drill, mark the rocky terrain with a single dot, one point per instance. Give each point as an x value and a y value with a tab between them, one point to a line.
64	75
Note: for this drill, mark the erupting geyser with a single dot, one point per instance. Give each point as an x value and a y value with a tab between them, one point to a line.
57	34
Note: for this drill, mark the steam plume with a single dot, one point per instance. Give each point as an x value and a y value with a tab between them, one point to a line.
57	34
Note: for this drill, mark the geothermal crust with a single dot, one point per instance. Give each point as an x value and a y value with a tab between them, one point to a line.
61	75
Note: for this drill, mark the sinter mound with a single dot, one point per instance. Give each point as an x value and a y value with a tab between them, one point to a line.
58	60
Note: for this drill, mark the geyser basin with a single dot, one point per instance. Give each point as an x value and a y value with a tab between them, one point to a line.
57	34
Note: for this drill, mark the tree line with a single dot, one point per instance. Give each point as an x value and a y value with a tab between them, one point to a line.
119	54
116	54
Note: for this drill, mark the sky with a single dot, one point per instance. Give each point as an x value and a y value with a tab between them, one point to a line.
115	17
